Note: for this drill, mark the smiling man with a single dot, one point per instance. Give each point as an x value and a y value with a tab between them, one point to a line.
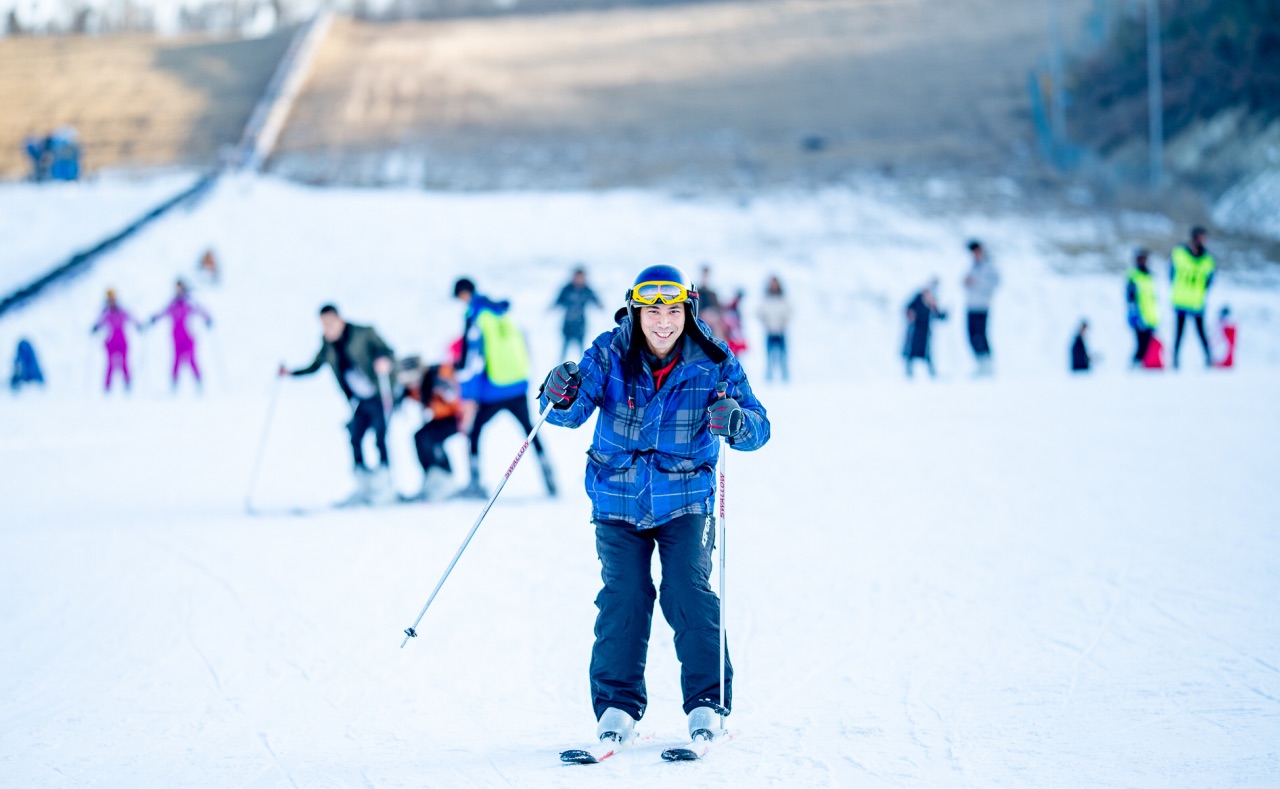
650	476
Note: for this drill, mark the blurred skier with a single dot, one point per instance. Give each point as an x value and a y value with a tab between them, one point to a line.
922	310
650	473
732	317
775	314
437	390
710	310
574	299
1080	360
114	320
979	286
1227	328
362	363
493	371
1144	311
1191	270
184	345
26	367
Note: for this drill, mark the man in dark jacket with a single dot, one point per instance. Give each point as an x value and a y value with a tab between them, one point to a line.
650	472
362	363
574	299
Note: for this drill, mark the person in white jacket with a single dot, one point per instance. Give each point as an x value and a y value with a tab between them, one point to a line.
775	314
979	286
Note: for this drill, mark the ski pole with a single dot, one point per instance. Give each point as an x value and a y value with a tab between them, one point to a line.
388	399
262	443
412	630
722	389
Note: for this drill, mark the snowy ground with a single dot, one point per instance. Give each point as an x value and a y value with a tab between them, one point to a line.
1034	580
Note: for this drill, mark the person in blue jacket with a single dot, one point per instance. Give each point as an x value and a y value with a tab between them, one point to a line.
493	375
26	367
650	476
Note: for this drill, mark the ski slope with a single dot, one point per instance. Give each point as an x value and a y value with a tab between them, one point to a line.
1035	580
44	224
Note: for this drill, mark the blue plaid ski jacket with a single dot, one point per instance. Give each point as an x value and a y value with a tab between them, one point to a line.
653	458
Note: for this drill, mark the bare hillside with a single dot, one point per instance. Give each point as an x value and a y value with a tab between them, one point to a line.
136	100
723	94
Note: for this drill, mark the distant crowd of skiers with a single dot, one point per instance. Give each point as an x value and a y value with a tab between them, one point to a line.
1191	272
487	373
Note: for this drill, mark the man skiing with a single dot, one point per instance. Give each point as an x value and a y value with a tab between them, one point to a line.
650	472
1191	270
574	299
979	286
113	320
493	373
362	363
1144	311
184	345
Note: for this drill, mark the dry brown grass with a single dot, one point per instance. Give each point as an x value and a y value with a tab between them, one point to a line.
721	92
136	100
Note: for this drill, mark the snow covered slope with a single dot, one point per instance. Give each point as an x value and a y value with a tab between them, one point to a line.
1032	580
44	224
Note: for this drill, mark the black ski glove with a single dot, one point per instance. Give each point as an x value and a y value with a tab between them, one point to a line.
727	417
561	386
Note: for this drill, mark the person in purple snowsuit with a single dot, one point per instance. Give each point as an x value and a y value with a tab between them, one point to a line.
114	320
184	345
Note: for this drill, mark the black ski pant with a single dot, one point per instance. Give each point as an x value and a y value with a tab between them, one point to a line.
626	613
1180	319
577	339
519	408
978	333
429	441
368	416
1144	342
776	350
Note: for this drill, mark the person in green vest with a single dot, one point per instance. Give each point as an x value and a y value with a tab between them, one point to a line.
1144	311
493	373
1191	271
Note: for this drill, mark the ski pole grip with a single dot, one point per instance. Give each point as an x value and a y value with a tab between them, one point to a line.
722	390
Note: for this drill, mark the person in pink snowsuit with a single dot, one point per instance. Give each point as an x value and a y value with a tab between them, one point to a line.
184	345
114	320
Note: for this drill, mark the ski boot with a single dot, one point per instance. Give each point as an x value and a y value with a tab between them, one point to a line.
473	490
615	725
548	475
705	723
364	489
381	488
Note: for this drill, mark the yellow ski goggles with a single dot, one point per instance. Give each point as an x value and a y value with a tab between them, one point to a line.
653	292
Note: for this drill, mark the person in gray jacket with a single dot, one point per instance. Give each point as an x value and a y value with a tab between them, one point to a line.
979	286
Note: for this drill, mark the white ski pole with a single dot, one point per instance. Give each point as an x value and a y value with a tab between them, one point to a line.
262	444
720	538
412	630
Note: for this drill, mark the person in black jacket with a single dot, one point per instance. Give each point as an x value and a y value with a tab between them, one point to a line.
922	310
1079	351
362	363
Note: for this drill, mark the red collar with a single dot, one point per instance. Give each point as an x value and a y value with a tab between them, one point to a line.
660	375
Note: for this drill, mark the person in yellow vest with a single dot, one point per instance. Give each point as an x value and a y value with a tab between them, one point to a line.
1144	311
1191	271
493	374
